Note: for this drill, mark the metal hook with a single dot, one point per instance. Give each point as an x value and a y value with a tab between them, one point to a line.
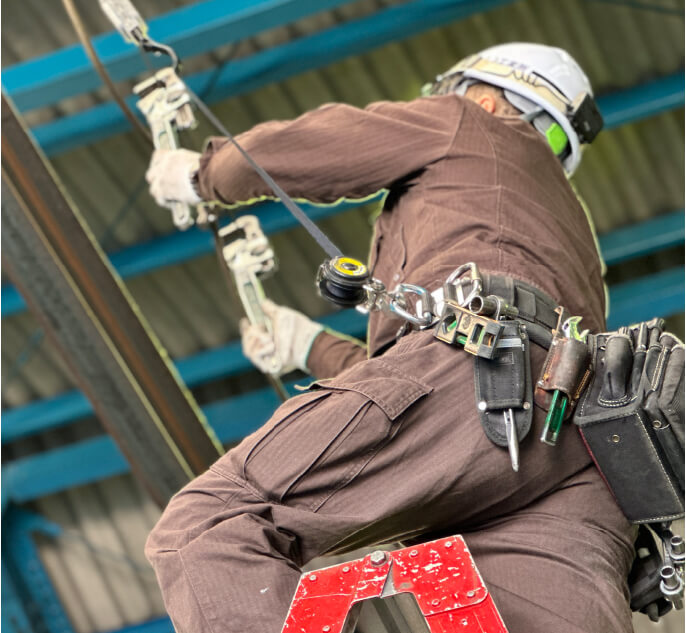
397	304
453	287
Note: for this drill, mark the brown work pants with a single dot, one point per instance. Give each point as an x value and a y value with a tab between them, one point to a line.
389	450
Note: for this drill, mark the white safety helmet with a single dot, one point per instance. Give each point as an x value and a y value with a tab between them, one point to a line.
546	85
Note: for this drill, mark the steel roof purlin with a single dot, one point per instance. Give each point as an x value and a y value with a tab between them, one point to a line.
190	30
272	65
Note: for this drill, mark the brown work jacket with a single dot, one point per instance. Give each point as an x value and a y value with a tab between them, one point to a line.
463	185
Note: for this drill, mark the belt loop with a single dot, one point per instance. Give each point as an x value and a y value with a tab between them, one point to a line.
499	285
526	303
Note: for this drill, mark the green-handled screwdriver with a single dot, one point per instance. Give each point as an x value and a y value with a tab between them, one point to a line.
553	421
558	405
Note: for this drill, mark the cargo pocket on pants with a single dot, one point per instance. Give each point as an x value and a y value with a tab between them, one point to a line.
315	449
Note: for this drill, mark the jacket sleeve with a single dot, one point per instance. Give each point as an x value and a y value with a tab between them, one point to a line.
329	153
332	352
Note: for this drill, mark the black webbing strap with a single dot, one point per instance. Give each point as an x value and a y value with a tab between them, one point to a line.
535	307
326	244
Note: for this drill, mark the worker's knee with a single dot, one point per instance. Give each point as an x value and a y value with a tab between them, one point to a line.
194	510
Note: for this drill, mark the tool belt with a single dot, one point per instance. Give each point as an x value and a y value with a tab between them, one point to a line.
629	386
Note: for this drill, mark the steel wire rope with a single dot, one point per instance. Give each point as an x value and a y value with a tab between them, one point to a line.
82	34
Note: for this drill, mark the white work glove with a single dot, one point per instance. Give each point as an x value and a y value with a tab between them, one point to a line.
170	176
287	348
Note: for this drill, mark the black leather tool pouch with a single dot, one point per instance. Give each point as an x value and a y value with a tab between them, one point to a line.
504	382
632	419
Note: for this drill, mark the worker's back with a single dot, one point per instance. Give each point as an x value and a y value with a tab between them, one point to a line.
498	197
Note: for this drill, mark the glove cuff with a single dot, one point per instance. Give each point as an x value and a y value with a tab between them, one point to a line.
304	339
188	186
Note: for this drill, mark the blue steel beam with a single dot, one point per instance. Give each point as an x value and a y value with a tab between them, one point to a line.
20	555
245	75
179	246
645	100
190	30
213	364
46	473
660	294
99	458
643	238
158	625
13	615
274	64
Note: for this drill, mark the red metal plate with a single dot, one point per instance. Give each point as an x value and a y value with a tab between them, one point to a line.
441	575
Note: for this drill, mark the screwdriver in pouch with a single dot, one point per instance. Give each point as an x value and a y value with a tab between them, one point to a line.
553	421
560	401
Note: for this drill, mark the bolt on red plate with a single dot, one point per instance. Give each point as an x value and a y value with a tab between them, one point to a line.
441	574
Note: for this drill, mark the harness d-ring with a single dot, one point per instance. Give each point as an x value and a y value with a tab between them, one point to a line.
454	285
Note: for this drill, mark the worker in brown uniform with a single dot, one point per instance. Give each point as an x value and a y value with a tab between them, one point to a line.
390	447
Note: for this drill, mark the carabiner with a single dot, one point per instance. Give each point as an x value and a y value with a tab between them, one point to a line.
397	304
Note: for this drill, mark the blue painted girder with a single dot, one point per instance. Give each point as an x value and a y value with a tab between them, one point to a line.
181	246
643	238
272	65
213	364
189	30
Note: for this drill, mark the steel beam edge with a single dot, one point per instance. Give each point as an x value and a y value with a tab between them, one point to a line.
272	65
191	30
212	364
661	294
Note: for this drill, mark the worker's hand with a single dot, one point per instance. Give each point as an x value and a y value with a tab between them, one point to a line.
171	175
288	345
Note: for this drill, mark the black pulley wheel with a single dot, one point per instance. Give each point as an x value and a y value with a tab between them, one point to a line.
341	280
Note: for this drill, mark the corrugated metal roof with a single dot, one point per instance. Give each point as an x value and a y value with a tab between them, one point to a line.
632	173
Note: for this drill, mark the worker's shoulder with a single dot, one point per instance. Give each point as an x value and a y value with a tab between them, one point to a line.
440	106
433	104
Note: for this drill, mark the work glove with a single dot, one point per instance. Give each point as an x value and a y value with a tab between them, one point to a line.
632	418
284	348
171	175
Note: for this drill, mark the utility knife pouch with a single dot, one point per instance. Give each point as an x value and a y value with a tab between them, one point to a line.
567	368
504	382
635	437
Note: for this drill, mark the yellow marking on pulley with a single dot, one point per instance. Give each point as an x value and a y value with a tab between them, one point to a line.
349	267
